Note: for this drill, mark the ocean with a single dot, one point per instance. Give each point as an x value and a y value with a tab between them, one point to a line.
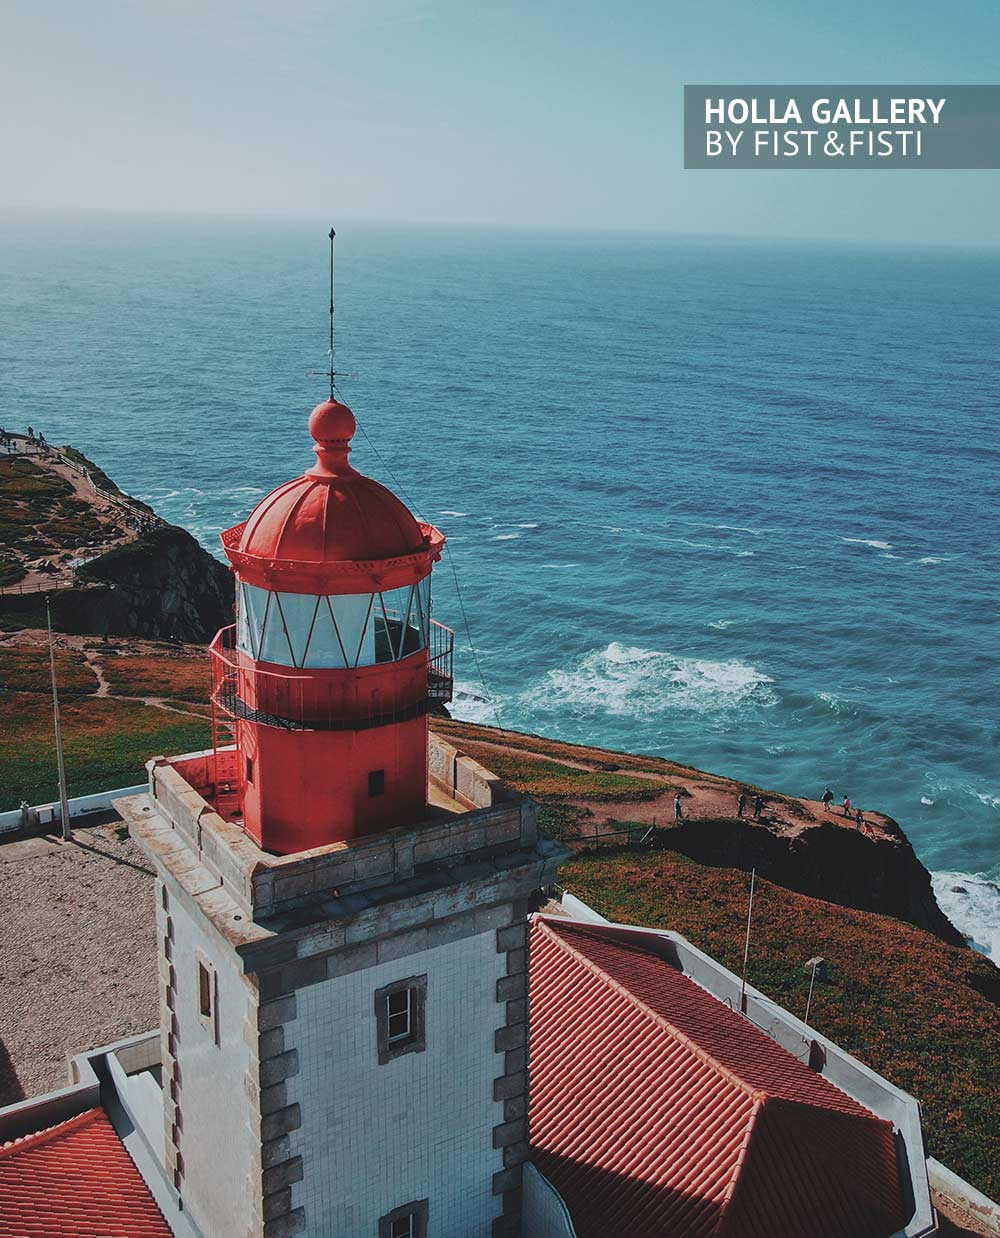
732	502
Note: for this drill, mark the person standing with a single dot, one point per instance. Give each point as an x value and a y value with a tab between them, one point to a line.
758	807
860	822
678	807
741	804
847	805
827	799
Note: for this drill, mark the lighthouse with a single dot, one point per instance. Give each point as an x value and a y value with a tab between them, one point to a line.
325	681
342	896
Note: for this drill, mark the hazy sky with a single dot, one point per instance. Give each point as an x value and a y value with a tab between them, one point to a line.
544	113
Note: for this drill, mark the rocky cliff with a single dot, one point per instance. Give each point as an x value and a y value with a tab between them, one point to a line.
162	585
108	564
825	859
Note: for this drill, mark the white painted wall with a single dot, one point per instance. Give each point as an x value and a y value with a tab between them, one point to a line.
544	1214
374	1137
216	1142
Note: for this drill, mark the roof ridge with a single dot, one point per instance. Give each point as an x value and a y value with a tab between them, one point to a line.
755	1091
661	1021
739	1163
770	1099
34	1139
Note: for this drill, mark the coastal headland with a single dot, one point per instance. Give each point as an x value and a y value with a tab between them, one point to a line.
899	987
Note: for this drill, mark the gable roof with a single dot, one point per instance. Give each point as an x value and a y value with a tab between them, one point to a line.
75	1180
655	1105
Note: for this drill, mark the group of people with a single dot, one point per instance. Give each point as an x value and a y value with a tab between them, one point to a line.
756	804
848	810
741	805
742	801
36	440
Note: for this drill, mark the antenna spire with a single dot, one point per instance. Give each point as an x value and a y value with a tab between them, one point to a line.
333	237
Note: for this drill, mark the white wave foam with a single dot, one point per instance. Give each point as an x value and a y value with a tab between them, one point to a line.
933	559
454	515
864	541
736	528
925	799
505	537
839	704
471	705
720	625
971	901
555	565
527	526
947	790
627	681
745	554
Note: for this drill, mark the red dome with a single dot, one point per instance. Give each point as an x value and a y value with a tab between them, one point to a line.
331	522
319	520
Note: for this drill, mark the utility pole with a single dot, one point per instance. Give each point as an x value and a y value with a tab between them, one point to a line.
746	948
67	833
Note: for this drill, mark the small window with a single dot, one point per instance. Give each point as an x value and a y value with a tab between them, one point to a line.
409	1221
376	783
208	996
399	1009
204	991
399	1015
249	769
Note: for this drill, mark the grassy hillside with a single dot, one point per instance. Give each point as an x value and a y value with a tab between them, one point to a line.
151	707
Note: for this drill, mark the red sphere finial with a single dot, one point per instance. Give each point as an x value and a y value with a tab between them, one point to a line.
332	425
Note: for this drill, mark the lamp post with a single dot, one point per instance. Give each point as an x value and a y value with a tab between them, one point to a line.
67	833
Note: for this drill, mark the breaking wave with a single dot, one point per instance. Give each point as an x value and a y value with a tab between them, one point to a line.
864	541
971	901
625	681
470	704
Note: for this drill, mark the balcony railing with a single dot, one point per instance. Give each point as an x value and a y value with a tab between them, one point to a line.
441	671
293	700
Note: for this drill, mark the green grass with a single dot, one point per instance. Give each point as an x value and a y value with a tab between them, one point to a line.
164	675
106	743
924	1014
547	778
25	668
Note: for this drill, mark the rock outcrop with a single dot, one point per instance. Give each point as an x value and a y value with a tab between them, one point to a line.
164	585
823	859
109	565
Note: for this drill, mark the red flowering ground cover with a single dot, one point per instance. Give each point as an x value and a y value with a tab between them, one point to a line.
924	1014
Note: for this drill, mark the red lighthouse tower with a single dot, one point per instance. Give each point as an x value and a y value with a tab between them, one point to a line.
326	679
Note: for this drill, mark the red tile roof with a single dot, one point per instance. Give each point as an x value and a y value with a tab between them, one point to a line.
75	1180
656	1109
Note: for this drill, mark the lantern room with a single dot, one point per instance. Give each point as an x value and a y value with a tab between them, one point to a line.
322	687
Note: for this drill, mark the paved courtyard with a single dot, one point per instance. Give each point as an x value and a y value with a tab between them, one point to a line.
77	953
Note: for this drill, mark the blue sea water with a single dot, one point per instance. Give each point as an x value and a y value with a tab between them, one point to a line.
731	502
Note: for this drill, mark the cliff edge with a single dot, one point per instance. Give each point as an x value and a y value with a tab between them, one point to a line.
594	799
107	563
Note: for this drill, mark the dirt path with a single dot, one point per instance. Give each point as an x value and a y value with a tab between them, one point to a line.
708	800
93	660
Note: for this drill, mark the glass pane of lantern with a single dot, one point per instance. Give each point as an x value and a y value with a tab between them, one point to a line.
403	634
325	648
298	611
273	642
243	640
423	603
352	612
255	607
